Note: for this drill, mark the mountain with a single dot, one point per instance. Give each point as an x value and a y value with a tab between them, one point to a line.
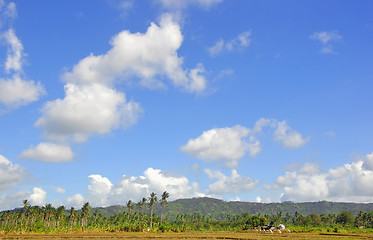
219	209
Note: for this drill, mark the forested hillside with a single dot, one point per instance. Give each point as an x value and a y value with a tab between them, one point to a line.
219	209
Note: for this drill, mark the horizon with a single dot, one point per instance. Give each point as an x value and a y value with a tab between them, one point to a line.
255	101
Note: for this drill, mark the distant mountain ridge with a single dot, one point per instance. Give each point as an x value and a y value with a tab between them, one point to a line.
219	209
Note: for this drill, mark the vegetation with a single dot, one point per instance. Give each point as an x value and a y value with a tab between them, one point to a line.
142	216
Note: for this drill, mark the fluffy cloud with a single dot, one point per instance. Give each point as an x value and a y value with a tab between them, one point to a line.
233	184
241	41
87	110
49	152
144	56
38	197
101	192
350	182
231	144
14	90
75	201
220	143
92	105
325	38
10	174
288	137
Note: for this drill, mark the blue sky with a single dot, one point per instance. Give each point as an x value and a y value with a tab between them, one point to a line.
261	101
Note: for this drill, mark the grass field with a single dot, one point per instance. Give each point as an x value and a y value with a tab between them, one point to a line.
191	235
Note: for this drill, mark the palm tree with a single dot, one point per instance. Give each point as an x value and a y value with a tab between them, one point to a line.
164	202
129	207
72	216
143	206
85	213
152	200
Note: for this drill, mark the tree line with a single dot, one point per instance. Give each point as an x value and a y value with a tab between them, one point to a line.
141	216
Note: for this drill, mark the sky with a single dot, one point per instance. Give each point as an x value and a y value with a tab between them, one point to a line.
259	101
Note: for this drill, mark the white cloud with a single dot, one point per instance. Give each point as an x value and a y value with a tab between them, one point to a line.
49	152
38	197
217	144
15	52
145	56
102	192
10	174
368	164
234	184
230	144
75	201
325	38
350	182
92	105
11	200
288	137
14	90
60	190
87	110
241	41
181	4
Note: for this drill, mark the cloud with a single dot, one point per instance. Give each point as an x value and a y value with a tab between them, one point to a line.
230	144
60	190
38	197
102	192
76	201
87	110
288	137
93	106
325	38
220	143
49	152
15	91
350	182
234	184
181	4
11	200
144	56
241	41
10	174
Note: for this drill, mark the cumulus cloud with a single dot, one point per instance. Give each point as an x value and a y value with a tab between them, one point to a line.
102	192
230	144
241	41
15	89
38	197
75	201
325	38
145	56
234	184
91	104
10	174
49	152
350	182
87	110
288	137
217	144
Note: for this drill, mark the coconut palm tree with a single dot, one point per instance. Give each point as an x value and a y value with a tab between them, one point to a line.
85	213
164	202
152	200
129	207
